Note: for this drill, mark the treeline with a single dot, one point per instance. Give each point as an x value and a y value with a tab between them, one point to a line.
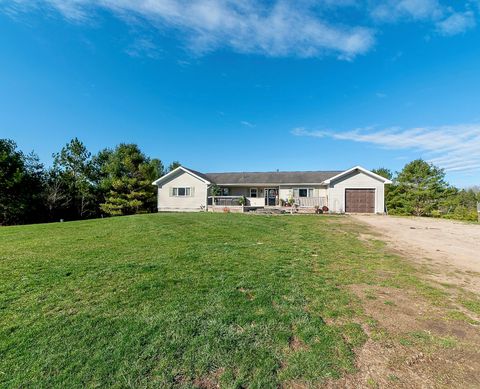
79	185
420	189
118	181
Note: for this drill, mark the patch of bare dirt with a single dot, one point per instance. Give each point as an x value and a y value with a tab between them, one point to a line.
295	344
412	345
450	249
247	293
210	381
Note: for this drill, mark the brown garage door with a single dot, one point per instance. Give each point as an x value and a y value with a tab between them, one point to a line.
360	200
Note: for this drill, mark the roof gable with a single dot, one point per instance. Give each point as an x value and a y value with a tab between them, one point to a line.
359	169
269	178
172	174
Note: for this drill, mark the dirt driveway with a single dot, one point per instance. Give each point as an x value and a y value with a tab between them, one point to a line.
451	248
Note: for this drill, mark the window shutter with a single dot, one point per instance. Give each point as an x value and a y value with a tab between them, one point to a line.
171	192
295	193
192	191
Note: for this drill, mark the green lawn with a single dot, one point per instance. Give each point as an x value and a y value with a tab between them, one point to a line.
186	300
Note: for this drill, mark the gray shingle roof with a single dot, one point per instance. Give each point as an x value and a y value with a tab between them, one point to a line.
201	175
242	178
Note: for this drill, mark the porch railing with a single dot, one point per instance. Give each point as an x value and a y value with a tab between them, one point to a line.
224	201
234	201
310	201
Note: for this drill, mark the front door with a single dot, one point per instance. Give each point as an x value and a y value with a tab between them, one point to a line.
271	196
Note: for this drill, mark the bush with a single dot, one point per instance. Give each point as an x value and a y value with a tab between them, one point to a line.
463	213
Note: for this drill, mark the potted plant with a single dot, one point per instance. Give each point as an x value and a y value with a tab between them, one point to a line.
215	190
242	201
291	201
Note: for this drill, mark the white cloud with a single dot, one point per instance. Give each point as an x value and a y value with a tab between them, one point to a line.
456	23
273	28
143	47
278	28
447	21
392	10
247	124
454	148
301	131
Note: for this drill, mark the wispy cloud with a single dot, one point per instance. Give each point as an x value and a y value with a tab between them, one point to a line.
302	131
143	47
456	23
455	148
394	10
274	28
278	28
447	21
247	124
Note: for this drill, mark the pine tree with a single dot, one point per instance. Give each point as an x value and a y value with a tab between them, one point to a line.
73	164
173	165
418	189
127	176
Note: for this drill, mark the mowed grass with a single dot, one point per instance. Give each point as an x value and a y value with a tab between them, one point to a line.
185	300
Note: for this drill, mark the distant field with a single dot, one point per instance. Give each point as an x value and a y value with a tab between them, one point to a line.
207	300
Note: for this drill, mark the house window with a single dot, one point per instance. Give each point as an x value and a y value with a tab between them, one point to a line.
181	192
253	192
224	191
303	192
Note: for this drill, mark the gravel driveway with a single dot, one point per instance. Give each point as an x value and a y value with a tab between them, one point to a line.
452	247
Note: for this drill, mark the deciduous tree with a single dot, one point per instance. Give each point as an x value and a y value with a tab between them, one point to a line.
20	185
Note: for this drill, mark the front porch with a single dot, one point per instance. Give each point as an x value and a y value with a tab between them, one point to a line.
246	204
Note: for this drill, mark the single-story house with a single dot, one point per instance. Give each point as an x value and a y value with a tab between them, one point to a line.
355	190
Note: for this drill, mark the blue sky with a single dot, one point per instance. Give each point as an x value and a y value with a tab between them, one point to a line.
227	85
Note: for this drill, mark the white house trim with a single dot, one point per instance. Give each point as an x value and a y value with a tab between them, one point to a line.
162	179
330	192
359	168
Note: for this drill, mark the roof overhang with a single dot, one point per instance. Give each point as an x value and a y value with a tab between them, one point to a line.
361	169
270	184
172	173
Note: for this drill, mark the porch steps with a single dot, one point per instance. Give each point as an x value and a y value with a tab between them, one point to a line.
268	211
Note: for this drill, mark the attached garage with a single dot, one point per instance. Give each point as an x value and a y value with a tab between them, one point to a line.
357	190
360	200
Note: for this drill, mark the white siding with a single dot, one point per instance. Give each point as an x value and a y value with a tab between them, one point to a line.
286	192
195	202
359	180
